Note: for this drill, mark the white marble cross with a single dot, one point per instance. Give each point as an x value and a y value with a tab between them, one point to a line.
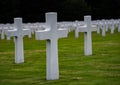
119	26
3	29
51	34
18	33
112	26
103	28
87	29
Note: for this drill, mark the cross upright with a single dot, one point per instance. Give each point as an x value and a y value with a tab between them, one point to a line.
103	28
87	29
2	30
18	33
88	36
51	34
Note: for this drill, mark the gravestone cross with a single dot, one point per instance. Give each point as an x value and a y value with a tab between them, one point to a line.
2	31
87	29
51	34
18	33
103	28
87	36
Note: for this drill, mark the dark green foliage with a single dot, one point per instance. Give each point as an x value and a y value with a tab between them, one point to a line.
34	10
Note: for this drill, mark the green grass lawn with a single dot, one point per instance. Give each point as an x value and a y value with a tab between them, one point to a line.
102	68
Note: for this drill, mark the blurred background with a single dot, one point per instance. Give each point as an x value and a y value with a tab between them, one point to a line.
68	10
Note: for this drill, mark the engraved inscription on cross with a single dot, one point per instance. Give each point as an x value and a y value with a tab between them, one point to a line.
18	33
51	34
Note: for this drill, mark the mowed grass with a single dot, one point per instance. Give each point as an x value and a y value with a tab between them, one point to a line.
102	68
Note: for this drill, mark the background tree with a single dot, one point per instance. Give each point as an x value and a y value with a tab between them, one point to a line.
34	10
75	9
105	8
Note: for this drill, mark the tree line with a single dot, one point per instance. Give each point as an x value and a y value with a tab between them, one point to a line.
68	10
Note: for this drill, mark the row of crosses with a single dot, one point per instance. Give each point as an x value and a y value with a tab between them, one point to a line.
51	34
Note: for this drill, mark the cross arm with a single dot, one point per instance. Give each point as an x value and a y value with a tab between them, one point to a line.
94	27
62	33
10	33
84	28
27	32
42	35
